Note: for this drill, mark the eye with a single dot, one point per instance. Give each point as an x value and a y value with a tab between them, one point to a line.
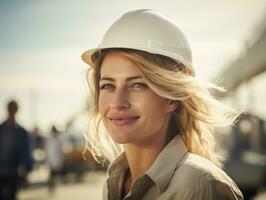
138	85
106	86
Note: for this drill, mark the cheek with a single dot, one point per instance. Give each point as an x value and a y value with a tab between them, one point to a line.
154	107
102	104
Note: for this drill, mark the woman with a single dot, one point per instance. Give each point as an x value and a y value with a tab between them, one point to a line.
151	117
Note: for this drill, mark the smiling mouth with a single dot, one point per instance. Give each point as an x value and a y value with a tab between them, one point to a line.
123	121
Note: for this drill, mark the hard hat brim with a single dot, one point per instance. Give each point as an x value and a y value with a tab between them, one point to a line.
87	55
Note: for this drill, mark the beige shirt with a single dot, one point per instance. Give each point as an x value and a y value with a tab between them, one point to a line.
176	174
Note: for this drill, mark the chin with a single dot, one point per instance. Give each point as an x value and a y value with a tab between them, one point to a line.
121	139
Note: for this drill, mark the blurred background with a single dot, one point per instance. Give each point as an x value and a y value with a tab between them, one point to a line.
40	67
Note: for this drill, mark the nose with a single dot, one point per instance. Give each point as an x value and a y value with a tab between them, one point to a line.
119	100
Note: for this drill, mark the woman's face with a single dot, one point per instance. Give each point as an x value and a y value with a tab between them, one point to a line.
131	111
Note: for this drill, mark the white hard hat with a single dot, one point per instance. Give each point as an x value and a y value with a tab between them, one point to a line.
145	30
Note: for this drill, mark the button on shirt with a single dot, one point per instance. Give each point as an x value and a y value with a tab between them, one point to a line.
176	174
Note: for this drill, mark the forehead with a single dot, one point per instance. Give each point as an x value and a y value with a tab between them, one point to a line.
117	65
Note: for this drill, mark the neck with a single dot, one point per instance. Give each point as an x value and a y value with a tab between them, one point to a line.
11	120
141	157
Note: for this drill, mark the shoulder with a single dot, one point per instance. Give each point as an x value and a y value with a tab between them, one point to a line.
22	134
199	168
2	125
195	174
21	130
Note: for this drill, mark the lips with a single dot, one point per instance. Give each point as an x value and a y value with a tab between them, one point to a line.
122	119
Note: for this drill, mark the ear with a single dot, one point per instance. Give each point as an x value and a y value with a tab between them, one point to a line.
172	105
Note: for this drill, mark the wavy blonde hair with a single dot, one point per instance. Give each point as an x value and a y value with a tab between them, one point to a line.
196	115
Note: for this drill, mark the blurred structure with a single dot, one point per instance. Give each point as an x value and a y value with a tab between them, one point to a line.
246	67
246	158
15	156
245	143
75	161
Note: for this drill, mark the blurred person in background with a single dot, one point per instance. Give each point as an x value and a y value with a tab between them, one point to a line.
38	147
54	156
38	139
151	117
15	155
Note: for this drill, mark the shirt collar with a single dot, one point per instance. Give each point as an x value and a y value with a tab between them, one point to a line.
167	162
118	166
163	167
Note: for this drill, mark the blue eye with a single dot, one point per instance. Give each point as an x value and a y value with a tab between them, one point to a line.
106	86
138	85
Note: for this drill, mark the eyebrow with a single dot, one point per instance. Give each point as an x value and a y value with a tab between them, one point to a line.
127	79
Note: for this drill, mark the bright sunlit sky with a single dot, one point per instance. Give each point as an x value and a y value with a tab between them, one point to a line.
41	43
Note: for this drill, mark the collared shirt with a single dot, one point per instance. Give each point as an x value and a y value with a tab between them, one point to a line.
176	174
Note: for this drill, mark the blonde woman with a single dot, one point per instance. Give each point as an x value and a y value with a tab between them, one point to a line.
151	117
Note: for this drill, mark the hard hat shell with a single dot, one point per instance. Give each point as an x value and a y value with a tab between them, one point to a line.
145	30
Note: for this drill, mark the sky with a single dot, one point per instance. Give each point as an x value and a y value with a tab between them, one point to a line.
41	43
